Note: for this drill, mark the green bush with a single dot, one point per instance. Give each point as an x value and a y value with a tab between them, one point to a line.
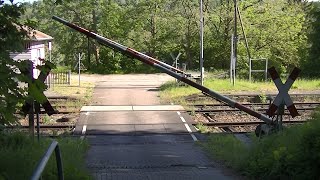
19	153
59	69
293	153
226	147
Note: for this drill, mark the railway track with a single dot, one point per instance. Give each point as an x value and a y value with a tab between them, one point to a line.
221	118
244	123
64	105
54	126
49	130
260	107
255	98
63	120
242	127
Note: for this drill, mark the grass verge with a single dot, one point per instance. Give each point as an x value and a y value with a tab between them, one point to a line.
84	92
293	153
173	92
19	156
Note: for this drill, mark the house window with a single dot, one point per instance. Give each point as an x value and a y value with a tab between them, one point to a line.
27	46
38	53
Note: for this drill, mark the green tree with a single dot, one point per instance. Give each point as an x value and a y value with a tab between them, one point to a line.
12	39
311	64
275	30
218	29
67	42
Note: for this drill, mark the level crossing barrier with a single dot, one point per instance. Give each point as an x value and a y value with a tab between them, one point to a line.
163	67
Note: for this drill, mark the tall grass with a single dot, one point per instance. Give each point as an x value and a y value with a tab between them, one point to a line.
293	153
19	156
83	93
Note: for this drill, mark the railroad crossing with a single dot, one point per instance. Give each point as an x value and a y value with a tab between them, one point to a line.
132	136
181	76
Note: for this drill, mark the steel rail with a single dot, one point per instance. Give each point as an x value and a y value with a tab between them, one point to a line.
155	63
62	98
45	126
252	104
237	110
246	123
253	95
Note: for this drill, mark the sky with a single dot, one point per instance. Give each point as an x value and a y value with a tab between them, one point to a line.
37	0
16	1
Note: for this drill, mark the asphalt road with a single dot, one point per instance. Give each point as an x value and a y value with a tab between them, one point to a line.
132	136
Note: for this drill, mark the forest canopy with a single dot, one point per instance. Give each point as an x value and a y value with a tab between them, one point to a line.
282	31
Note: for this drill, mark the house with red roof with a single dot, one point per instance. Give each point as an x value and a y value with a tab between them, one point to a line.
35	49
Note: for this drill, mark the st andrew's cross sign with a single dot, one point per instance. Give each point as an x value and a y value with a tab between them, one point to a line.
45	70
283	96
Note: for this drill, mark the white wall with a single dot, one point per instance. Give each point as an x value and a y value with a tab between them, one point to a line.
22	55
37	51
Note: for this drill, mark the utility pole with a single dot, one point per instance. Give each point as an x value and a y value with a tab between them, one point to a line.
235	41
79	67
201	42
88	49
50	49
231	59
31	100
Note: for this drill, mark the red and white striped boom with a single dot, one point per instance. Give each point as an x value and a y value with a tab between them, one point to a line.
163	67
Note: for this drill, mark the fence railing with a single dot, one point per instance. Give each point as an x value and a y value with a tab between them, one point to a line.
44	160
58	78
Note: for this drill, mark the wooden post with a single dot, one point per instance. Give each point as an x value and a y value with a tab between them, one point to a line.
31	101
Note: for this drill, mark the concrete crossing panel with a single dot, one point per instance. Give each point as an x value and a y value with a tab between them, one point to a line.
158	108
105	108
136	117
132	108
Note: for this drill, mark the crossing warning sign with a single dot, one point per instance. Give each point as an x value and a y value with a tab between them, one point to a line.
283	96
45	103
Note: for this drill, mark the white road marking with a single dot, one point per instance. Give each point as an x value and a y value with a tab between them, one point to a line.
187	127
194	137
83	132
84	129
182	119
196	128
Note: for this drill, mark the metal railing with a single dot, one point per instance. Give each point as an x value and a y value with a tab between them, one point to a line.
265	70
58	78
44	160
